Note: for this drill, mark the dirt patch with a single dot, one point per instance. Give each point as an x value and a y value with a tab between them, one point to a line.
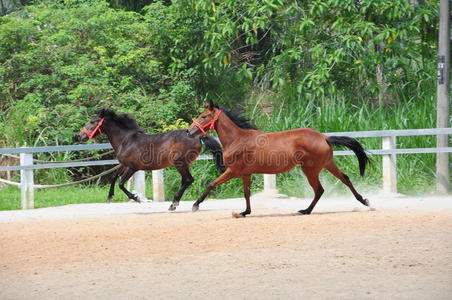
395	253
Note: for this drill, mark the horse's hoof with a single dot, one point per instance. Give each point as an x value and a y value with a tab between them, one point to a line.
195	208
304	212
366	202
109	199
172	207
135	198
238	215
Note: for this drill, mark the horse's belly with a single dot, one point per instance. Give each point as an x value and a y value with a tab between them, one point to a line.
268	167
266	160
144	162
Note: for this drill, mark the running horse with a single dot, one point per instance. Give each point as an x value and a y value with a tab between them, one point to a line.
136	150
249	151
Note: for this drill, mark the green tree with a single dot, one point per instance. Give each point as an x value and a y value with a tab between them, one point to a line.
59	62
7	6
382	49
63	59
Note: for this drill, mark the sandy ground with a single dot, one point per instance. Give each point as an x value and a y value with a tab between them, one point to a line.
402	249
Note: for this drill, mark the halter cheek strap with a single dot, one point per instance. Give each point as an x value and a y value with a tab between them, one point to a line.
91	134
209	125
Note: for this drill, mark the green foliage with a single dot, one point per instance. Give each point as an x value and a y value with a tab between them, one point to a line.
333	65
415	171
59	62
379	49
162	63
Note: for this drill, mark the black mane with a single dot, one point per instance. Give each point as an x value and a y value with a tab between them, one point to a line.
236	115
125	121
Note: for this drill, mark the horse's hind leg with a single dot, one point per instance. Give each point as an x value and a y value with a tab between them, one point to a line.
127	173
344	178
313	179
111	192
246	180
187	180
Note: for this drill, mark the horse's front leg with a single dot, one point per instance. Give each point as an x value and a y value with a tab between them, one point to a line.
226	176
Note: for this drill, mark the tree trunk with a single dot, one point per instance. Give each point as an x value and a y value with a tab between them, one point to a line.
7	6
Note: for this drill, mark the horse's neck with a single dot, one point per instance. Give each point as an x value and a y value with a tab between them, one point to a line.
228	131
115	134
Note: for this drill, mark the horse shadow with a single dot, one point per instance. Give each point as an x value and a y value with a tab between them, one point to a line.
267	215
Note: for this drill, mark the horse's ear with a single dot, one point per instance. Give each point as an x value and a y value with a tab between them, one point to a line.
102	112
210	105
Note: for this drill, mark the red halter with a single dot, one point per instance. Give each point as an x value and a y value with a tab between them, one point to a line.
211	123
91	134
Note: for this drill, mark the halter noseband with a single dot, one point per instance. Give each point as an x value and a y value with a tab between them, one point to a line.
211	123
91	134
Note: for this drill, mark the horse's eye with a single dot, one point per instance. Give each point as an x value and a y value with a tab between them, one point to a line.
203	117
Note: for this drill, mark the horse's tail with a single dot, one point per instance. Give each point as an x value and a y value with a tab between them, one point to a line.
355	146
217	152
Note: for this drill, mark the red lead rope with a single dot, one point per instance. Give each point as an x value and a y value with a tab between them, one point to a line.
211	123
91	134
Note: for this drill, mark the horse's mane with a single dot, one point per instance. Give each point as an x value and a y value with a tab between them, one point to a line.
236	116
125	121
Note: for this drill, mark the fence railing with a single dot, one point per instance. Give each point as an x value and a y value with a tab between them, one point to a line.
388	150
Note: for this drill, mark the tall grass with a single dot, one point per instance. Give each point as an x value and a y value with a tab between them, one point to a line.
415	171
336	115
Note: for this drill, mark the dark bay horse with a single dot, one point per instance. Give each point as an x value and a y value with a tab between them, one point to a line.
136	150
249	151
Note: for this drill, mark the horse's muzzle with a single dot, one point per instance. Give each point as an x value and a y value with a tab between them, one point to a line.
191	132
82	137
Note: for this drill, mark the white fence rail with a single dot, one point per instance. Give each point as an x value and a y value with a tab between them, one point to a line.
388	150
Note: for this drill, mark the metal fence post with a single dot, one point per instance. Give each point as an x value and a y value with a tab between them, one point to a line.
442	165
26	182
139	184
443	97
270	184
158	189
389	165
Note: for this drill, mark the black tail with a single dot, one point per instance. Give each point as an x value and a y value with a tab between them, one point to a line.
355	146
217	152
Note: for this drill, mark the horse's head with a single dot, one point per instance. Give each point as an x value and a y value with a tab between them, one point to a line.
205	121
93	128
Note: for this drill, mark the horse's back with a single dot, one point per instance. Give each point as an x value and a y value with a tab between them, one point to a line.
309	132
181	139
177	137
307	143
155	151
301	136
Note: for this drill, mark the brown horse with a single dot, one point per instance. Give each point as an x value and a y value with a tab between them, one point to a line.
136	150
248	151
